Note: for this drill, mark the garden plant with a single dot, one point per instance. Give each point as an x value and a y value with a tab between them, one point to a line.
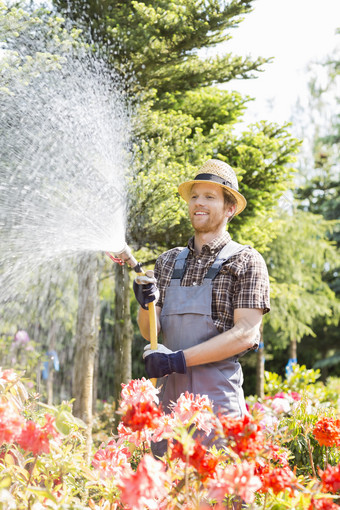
283	455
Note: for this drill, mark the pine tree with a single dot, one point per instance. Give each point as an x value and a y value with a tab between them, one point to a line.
182	118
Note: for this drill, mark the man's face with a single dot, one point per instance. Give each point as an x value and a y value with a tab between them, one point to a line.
207	210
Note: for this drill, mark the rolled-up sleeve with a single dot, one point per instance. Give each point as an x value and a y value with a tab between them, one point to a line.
252	283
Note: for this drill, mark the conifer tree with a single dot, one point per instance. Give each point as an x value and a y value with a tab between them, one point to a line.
182	118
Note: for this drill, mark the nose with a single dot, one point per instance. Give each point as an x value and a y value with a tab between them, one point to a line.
198	199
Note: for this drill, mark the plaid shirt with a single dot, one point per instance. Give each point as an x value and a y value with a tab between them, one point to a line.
242	282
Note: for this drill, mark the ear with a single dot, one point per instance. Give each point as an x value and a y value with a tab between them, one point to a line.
230	210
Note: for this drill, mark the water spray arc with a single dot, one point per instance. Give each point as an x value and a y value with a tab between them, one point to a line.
126	256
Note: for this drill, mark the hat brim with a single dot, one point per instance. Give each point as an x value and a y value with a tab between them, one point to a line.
184	190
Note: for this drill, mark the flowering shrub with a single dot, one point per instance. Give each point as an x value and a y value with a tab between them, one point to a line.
210	462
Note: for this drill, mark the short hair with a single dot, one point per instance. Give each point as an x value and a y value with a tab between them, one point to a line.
229	199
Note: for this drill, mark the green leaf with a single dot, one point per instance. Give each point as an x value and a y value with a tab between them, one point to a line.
42	493
66	422
5	482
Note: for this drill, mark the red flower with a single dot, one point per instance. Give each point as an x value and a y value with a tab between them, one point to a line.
245	436
204	463
11	423
278	480
261	469
36	439
278	455
330	479
323	504
141	415
327	431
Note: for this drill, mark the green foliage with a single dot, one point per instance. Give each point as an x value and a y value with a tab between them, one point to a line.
158	43
319	194
181	118
19	29
260	156
316	400
23	358
300	379
296	262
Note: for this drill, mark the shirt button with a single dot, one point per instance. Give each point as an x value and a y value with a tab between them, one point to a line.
194	283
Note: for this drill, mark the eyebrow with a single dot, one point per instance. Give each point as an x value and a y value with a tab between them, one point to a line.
213	192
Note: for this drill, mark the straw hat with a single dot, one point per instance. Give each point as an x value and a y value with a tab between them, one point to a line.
220	173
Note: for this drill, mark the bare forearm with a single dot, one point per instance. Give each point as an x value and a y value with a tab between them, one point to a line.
229	343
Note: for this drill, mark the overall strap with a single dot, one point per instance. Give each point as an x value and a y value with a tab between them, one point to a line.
227	251
180	264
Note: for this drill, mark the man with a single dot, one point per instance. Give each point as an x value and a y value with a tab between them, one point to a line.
210	298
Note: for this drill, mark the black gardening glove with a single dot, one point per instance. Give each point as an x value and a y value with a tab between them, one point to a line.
162	361
145	292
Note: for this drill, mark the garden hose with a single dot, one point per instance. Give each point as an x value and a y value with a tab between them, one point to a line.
126	256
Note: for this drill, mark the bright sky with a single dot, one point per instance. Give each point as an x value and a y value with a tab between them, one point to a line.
295	32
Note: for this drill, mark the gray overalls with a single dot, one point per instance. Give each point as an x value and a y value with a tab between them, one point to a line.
186	321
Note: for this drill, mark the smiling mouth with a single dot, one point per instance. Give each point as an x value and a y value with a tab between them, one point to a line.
200	213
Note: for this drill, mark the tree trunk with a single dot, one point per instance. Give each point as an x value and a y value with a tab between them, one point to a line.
293	350
95	378
51	347
86	342
260	367
122	331
50	383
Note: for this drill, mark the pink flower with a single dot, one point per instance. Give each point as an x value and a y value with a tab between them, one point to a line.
281	405
165	428
295	396
146	487
281	394
137	437
21	337
8	375
238	480
265	416
112	461
195	409
257	407
138	390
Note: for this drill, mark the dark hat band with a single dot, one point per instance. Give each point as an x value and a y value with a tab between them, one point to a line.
215	178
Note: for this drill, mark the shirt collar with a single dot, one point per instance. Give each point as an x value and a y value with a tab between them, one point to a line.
214	246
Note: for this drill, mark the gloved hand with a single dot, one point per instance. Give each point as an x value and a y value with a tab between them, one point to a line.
145	289
162	361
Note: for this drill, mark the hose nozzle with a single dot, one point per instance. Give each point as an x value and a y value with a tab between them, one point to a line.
125	256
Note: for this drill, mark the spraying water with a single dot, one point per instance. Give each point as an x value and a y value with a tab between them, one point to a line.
64	152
